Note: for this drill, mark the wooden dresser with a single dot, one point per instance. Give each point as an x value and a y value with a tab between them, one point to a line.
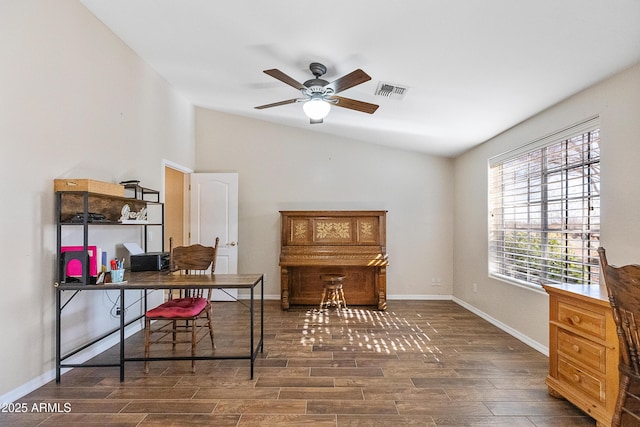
583	349
352	243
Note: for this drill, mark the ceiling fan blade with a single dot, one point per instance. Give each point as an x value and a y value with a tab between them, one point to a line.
354	104
277	104
352	79
277	74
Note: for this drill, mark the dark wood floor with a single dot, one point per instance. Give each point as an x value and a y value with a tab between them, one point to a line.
420	363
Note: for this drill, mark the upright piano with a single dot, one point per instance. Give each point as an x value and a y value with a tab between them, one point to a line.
352	243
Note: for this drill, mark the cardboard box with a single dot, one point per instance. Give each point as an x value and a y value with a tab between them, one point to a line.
90	185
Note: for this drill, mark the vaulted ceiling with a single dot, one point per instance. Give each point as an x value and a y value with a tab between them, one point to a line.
473	68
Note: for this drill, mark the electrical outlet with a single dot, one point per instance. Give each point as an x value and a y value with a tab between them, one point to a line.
475	288
435	281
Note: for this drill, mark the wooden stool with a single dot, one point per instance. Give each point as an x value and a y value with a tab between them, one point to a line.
332	294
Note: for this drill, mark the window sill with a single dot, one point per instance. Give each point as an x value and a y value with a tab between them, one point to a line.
521	284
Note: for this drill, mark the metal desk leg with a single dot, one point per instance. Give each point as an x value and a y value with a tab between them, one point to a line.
262	314
58	328
251	349
122	314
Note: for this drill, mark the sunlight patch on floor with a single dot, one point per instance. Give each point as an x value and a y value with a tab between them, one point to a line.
369	329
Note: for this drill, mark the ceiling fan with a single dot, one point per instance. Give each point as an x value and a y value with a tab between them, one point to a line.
318	94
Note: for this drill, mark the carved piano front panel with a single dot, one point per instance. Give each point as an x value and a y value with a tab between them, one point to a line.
346	242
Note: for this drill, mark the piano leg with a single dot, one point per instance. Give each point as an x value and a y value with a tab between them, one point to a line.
284	288
381	285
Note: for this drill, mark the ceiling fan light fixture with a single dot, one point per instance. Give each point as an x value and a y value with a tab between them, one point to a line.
316	108
318	94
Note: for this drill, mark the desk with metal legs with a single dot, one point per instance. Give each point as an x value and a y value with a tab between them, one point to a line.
144	281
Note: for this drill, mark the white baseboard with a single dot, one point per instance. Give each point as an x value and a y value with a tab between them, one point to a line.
81	357
514	333
244	296
28	387
419	297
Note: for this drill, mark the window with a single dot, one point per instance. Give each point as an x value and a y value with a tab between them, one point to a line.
544	224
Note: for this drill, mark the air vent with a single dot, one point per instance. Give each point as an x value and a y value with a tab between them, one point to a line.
391	91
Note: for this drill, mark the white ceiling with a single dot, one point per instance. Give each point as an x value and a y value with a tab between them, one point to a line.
474	68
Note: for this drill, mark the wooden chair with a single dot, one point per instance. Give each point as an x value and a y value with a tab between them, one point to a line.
188	312
623	287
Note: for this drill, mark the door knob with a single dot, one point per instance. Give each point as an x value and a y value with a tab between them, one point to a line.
231	244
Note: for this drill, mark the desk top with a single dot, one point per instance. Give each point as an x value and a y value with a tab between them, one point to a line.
167	280
592	292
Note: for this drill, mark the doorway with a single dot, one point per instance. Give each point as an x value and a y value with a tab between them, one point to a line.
176	206
199	207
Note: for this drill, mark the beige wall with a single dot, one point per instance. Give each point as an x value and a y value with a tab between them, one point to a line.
75	102
282	168
617	101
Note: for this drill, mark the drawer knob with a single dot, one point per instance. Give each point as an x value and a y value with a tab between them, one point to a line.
576	378
576	348
575	319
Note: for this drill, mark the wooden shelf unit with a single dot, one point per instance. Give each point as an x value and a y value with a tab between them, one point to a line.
73	208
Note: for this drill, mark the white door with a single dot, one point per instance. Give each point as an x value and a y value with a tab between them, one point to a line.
214	213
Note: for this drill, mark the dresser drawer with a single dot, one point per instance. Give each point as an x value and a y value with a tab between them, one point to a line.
583	349
592	323
584	352
591	386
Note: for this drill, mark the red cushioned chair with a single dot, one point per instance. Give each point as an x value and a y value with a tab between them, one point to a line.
188	312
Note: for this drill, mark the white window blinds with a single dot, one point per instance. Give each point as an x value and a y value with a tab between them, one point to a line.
544	224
